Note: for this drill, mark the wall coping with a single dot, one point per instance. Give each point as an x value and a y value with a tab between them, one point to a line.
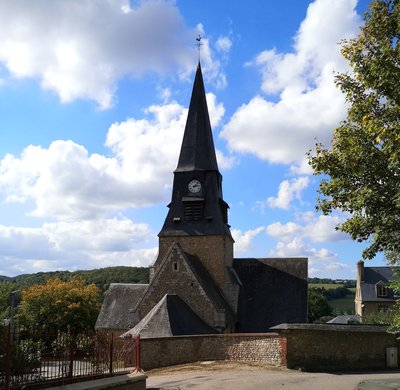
331	327
103	383
223	335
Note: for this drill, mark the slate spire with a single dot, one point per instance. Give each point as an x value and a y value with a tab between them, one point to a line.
197	207
197	150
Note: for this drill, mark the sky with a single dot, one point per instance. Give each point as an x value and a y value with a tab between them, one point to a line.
93	103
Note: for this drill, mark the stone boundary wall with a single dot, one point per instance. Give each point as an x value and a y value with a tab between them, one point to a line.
328	347
261	348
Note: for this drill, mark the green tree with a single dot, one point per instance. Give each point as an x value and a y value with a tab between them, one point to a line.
362	169
60	306
5	299
317	306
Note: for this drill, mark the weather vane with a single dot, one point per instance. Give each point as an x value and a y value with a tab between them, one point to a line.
198	44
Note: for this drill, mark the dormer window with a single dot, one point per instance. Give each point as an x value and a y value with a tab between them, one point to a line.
381	290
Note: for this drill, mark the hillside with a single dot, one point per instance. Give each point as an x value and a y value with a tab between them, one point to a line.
101	277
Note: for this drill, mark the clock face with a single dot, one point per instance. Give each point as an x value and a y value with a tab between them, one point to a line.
194	186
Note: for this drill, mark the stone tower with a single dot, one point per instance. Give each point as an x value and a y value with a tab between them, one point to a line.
196	286
198	216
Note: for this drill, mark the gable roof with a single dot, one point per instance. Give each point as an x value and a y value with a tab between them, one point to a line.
197	150
170	317
210	287
207	284
374	276
114	312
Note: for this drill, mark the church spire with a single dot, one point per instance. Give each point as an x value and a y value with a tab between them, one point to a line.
197	151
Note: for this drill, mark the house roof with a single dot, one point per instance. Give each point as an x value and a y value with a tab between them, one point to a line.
170	317
114	312
374	276
345	319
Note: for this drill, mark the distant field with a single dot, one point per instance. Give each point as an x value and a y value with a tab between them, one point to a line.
343	305
326	286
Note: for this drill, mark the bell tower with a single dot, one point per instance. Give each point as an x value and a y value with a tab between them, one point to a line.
198	216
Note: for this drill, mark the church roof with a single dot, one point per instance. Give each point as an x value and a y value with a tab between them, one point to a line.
201	275
210	287
171	316
114	312
273	291
197	151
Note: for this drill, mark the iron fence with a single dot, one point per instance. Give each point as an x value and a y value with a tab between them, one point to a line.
28	359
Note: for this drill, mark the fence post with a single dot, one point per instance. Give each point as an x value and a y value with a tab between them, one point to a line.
8	358
137	350
111	353
71	356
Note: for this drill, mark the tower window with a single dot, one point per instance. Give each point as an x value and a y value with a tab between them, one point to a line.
193	211
175	266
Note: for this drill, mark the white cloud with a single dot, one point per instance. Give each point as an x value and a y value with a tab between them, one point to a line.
288	190
309	104
81	48
277	229
243	240
315	228
67	183
63	245
223	44
298	239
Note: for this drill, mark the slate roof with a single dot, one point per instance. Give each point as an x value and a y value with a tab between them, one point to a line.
345	319
210	287
197	150
170	317
114	312
372	276
273	291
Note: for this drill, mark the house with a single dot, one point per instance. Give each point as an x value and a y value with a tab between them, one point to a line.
372	292
196	285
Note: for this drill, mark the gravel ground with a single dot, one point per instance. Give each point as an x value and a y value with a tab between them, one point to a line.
239	376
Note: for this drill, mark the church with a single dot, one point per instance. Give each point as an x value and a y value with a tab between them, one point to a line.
196	285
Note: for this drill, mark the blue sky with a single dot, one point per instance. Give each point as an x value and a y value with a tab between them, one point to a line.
93	103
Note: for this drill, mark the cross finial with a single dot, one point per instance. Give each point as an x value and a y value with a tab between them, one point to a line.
198	44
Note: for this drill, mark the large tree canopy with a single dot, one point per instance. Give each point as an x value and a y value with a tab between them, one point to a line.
59	305
362	168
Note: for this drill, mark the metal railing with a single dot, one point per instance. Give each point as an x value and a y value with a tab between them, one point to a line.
28	359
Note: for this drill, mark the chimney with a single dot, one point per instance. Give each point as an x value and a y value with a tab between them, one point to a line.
360	272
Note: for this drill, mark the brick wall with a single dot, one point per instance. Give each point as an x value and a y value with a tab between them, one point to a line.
254	348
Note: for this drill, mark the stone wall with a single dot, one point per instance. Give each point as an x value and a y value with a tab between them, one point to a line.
328	347
254	348
214	251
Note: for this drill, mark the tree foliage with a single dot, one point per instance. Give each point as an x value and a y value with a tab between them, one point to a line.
101	277
5	299
362	169
60	306
317	306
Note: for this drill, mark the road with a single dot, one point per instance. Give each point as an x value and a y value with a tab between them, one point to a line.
231	376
